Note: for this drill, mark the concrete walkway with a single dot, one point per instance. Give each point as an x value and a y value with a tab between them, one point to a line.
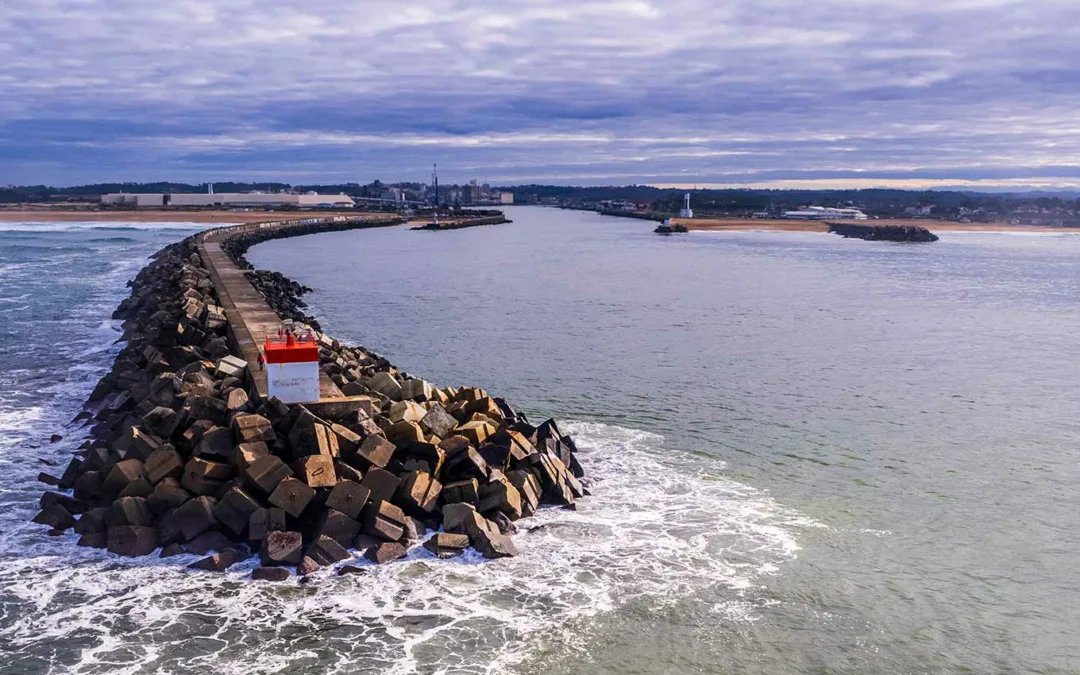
250	318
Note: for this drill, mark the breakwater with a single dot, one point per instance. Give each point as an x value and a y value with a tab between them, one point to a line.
185	455
909	233
461	224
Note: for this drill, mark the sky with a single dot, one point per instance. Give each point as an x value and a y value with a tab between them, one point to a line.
762	93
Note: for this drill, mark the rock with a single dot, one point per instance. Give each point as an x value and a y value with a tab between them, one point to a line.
500	495
375	452
71	474
231	366
93	520
381	483
282	548
55	516
338	526
528	488
129	511
266	473
493	544
316	470
385	552
386	384
292	496
408	411
347	472
132	540
476	432
307	566
349	498
447	544
245	454
325	551
383	520
350	569
165	462
419	492
211	540
234	509
219	562
89	486
94	540
464	519
347	440
171	550
126	478
312	436
195	516
160	421
252	429
236	400
55	438
216	445
414	529
203	477
438	422
365	541
466	491
404	431
167	495
270	574
464	464
264	521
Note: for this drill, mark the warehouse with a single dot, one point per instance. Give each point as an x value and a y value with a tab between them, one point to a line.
309	200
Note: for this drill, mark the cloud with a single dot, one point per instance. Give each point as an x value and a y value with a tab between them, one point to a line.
594	91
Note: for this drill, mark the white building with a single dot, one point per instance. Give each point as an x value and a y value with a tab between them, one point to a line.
228	199
506	197
824	213
686	211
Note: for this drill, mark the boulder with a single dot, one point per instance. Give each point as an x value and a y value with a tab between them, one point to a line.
221	561
375	451
386	384
307	566
270	574
231	366
500	495
438	422
466	463
252	429
325	551
56	517
129	511
476	432
338	526
234	510
466	491
282	548
464	519
211	540
203	477
245	454
528	489
168	494
447	544
316	470
348	497
266	473
312	436
215	445
292	496
381	483
385	552
195	516
408	411
383	520
160	421
264	521
419	492
165	462
493	544
89	486
132	540
127	478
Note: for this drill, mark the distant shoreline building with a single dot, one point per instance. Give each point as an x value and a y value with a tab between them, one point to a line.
824	213
228	199
686	211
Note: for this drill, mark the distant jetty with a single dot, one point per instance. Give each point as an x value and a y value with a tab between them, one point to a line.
906	233
188	454
461	223
668	227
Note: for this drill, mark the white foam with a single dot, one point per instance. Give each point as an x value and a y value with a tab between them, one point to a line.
107	226
655	527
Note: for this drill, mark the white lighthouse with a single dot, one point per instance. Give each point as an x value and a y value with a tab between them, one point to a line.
686	211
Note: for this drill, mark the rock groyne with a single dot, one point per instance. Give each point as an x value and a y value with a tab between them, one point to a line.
183	456
907	233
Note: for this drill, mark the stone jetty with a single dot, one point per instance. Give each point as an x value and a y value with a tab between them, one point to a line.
910	233
186	454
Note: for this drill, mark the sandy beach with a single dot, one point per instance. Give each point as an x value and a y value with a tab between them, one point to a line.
157	216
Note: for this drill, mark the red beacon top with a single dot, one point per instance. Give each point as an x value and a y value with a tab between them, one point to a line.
292	348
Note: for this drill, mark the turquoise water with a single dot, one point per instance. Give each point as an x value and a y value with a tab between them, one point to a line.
808	455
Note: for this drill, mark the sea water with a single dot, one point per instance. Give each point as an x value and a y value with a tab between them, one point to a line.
806	454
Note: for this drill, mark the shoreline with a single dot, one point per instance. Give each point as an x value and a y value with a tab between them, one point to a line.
167	216
186	453
780	225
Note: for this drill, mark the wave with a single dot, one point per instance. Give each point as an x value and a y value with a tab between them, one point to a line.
105	226
654	528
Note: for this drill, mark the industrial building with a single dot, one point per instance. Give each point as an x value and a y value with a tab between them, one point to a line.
824	213
229	200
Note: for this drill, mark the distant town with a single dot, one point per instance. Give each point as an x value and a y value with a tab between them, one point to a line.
640	201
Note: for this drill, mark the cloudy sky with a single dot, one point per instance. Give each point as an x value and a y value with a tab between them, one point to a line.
669	92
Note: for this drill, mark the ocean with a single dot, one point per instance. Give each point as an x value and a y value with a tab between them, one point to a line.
807	455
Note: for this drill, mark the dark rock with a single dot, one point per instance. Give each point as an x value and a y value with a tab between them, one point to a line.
348	497
195	516
270	574
446	544
208	541
383	520
282	548
132	540
325	551
385	552
292	496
